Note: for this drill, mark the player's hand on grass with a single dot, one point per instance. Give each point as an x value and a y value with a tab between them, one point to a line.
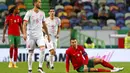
24	37
85	68
3	39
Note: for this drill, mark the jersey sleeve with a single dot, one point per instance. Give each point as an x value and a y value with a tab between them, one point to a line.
26	17
59	22
85	55
67	61
6	20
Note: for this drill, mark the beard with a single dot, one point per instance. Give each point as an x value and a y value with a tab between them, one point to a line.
38	7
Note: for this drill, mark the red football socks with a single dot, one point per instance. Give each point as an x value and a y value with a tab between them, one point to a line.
103	70
11	52
106	64
15	54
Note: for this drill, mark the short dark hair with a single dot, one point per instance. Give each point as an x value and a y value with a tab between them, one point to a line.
34	1
51	9
73	39
12	9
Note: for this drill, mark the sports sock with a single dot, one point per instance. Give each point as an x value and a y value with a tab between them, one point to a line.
103	70
51	60
11	53
30	60
15	54
106	64
41	58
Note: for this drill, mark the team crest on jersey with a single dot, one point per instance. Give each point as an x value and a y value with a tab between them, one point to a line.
14	21
80	51
78	54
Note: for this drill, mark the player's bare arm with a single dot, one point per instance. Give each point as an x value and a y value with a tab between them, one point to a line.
21	28
4	31
58	31
46	30
24	30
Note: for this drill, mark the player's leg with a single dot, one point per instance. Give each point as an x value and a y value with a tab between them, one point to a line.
51	49
53	52
30	45
11	43
41	45
105	64
16	44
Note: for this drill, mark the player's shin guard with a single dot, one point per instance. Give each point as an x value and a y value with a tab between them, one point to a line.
41	58
30	60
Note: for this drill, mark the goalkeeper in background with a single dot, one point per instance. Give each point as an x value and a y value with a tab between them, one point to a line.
79	59
127	41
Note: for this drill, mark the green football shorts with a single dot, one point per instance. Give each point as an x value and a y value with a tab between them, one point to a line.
90	65
14	40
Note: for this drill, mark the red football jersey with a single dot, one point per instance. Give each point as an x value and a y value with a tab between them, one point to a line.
13	22
78	57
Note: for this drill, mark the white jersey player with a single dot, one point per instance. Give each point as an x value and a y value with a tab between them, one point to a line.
53	25
32	34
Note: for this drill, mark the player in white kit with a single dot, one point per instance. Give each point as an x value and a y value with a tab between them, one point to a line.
53	25
32	33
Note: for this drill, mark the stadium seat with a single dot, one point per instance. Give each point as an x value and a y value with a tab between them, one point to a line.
66	3
102	1
74	21
125	28
68	9
119	1
110	2
115	28
3	6
62	14
120	21
127	22
87	28
87	8
106	28
89	15
65	23
77	27
2	1
111	22
127	16
59	7
94	22
119	15
97	28
129	9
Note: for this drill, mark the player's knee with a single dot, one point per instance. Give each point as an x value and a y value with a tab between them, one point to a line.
30	51
12	46
52	52
98	60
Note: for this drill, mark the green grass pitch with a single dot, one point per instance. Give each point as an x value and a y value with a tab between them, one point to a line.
59	67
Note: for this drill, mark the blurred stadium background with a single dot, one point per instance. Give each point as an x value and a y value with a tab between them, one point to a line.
80	20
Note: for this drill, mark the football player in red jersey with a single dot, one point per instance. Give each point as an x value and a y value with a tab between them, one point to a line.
14	23
80	61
